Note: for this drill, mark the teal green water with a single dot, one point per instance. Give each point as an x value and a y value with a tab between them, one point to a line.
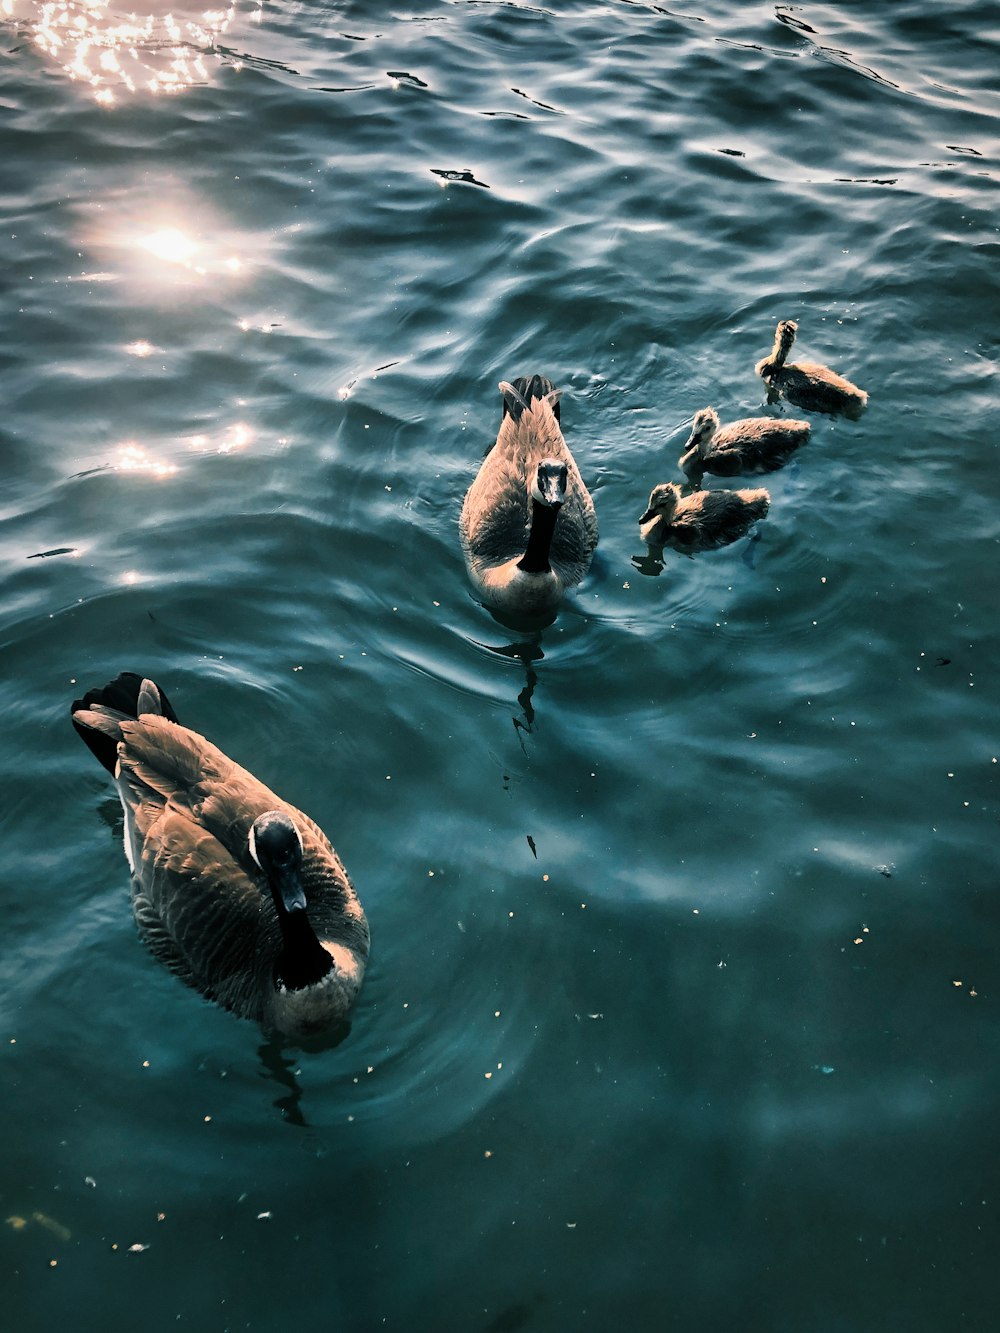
720	1053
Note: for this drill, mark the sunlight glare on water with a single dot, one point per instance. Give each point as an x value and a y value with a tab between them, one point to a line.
134	457
154	246
181	250
118	56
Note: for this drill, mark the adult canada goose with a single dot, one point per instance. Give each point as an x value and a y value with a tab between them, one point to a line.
699	522
752	444
236	891
528	525
806	384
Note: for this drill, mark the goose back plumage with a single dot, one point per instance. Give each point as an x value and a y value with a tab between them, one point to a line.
201	902
496	516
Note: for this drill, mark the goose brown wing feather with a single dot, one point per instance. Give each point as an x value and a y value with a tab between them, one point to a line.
182	767
495	519
159	941
170	758
200	913
169	768
573	542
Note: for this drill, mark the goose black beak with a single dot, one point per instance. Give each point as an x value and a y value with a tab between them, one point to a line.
550	482
650	513
293	896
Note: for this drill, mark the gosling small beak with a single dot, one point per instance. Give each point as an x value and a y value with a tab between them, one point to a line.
647	515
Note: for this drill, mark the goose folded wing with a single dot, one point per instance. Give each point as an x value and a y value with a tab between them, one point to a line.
168	758
182	767
575	535
200	913
496	521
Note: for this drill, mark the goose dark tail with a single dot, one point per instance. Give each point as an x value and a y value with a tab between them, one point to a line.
529	387
127	695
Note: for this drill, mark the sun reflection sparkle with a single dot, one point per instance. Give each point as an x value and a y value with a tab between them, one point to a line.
171	245
134	457
236	438
183	245
231	439
118	54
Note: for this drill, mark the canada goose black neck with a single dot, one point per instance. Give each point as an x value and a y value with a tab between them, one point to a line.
543	523
276	846
303	961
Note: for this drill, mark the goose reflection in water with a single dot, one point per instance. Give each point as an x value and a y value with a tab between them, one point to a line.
279	1066
279	1069
526	652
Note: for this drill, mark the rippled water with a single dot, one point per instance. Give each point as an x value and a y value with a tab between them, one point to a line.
680	1005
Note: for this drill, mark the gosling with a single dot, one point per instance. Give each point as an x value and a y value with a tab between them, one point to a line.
806	384
753	444
700	522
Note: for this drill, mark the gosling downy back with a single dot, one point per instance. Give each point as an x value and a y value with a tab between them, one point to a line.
528	525
808	385
740	448
236	891
702	521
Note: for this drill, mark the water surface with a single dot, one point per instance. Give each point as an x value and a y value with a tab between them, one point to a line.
679	1011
